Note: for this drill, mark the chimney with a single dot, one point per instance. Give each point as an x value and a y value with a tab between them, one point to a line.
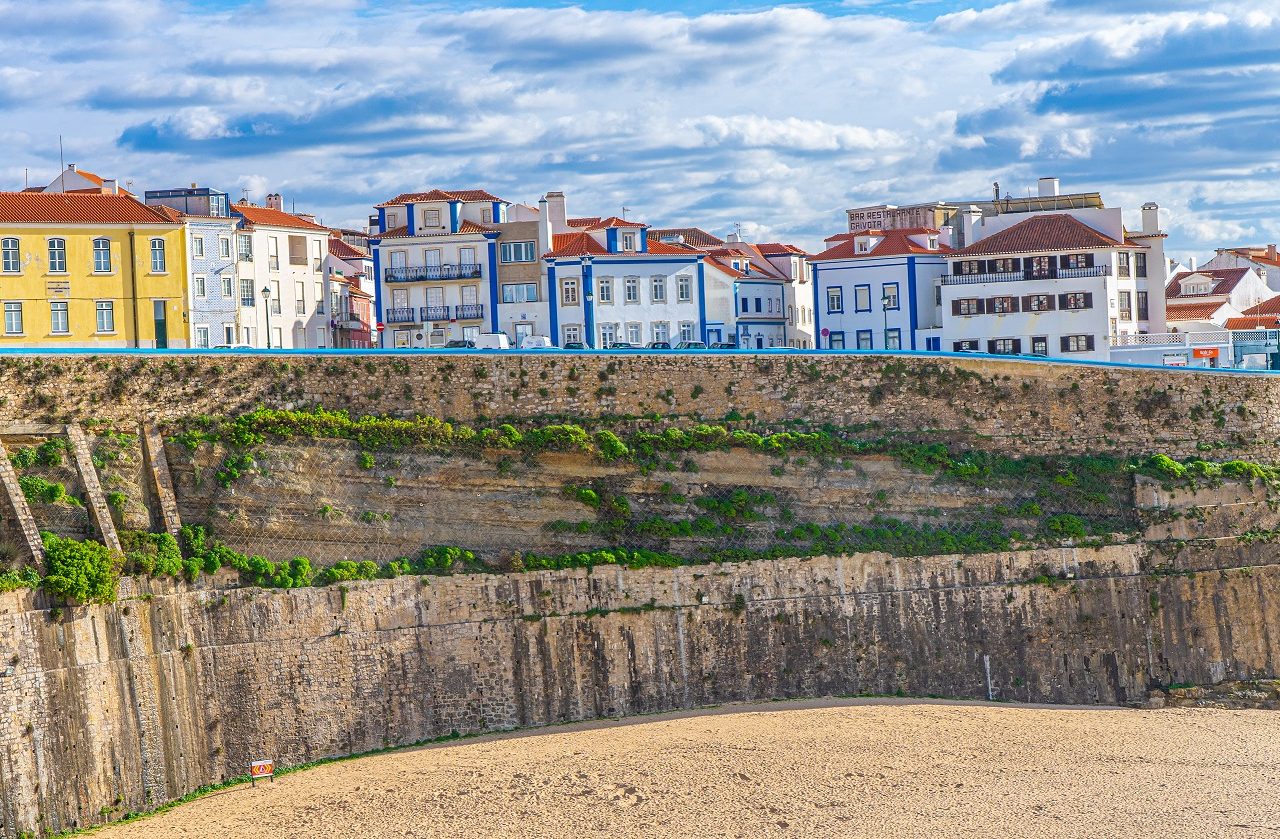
733	237
1271	252
275	201
111	186
193	184
1048	187
71	167
946	235
1191	264
557	212
544	226
1151	217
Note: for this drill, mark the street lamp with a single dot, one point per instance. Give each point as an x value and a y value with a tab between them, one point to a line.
884	307
266	306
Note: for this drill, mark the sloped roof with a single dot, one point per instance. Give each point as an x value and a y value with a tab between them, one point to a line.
892	243
1050	232
655	246
695	236
1193	311
77	207
469	226
270	217
343	250
614	221
773	248
1266	307
441	195
1255	255
584	221
1253	322
579	243
1225	279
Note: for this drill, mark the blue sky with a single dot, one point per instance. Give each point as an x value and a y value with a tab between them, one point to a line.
704	113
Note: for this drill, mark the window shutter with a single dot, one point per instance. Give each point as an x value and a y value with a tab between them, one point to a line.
982	306
1064	343
1088	260
1062	301
1014	305
955	307
1089	341
1049	303
1088	299
991	346
1026	303
989	304
1063	261
1017	346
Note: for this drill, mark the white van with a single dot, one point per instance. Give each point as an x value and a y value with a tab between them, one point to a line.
535	342
493	341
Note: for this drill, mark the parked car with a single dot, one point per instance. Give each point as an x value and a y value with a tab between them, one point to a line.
621	345
575	345
459	344
232	347
658	345
535	342
690	345
493	341
723	345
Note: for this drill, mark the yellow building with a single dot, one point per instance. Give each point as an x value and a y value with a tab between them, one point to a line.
91	269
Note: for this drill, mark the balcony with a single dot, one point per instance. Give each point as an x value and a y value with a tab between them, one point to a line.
470	311
1024	276
406	314
244	257
1182	339
432	313
418	273
353	323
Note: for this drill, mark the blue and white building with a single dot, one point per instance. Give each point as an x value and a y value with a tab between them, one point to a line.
877	289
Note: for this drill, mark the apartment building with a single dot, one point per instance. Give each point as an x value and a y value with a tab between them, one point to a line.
800	291
91	269
348	273
1265	260
1207	298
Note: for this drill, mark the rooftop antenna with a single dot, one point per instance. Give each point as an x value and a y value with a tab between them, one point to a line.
26	182
62	164
995	192
625	210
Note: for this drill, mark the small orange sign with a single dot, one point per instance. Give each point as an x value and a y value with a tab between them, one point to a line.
262	769
1205	352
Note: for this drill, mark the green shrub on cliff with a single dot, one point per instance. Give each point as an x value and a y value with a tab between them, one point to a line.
26	577
151	553
37	489
86	571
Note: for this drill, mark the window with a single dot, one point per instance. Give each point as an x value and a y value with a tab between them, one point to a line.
9	262
157	256
569	291
486	217
520	293
1142	302
322	337
572	333
933	243
1126	305
862	298
864	246
967	306
227	291
58	323
684	288
101	256
277	337
517	252
746	305
273	253
659	289
604	289
1122	264
1077	260
1002	305
1004	346
889	296
275	297
1038	303
864	339
759	308
835	299
969	266
662	332
13	318
246	291
319	298
1140	264
244	246
228	334
430	218
835	340
1077	343
106	316
202	337
1004	266
58	256
628	241
686	331
608	335
197	246
297	250
1041	267
631	290
1075	300
224	247
1040	346
965	346
633	333
300	299
893	339
198	286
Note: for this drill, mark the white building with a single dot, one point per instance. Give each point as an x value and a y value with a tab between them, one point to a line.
876	289
800	290
1263	260
1207	298
280	281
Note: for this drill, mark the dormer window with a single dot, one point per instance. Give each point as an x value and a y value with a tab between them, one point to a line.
486	216
393	219
864	246
933	243
628	241
430	218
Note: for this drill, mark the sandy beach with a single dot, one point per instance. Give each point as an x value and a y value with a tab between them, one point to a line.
847	768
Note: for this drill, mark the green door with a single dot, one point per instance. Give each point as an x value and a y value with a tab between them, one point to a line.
162	325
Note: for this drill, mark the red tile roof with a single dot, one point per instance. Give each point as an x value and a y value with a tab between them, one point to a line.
655	246
614	221
1253	322
892	243
585	221
774	248
579	243
1266	307
1255	254
392	233
270	217
725	266
1193	311
695	236
469	226
343	250
1224	280
1051	232
77	207
441	195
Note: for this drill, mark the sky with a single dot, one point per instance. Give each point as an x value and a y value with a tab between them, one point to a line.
775	118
